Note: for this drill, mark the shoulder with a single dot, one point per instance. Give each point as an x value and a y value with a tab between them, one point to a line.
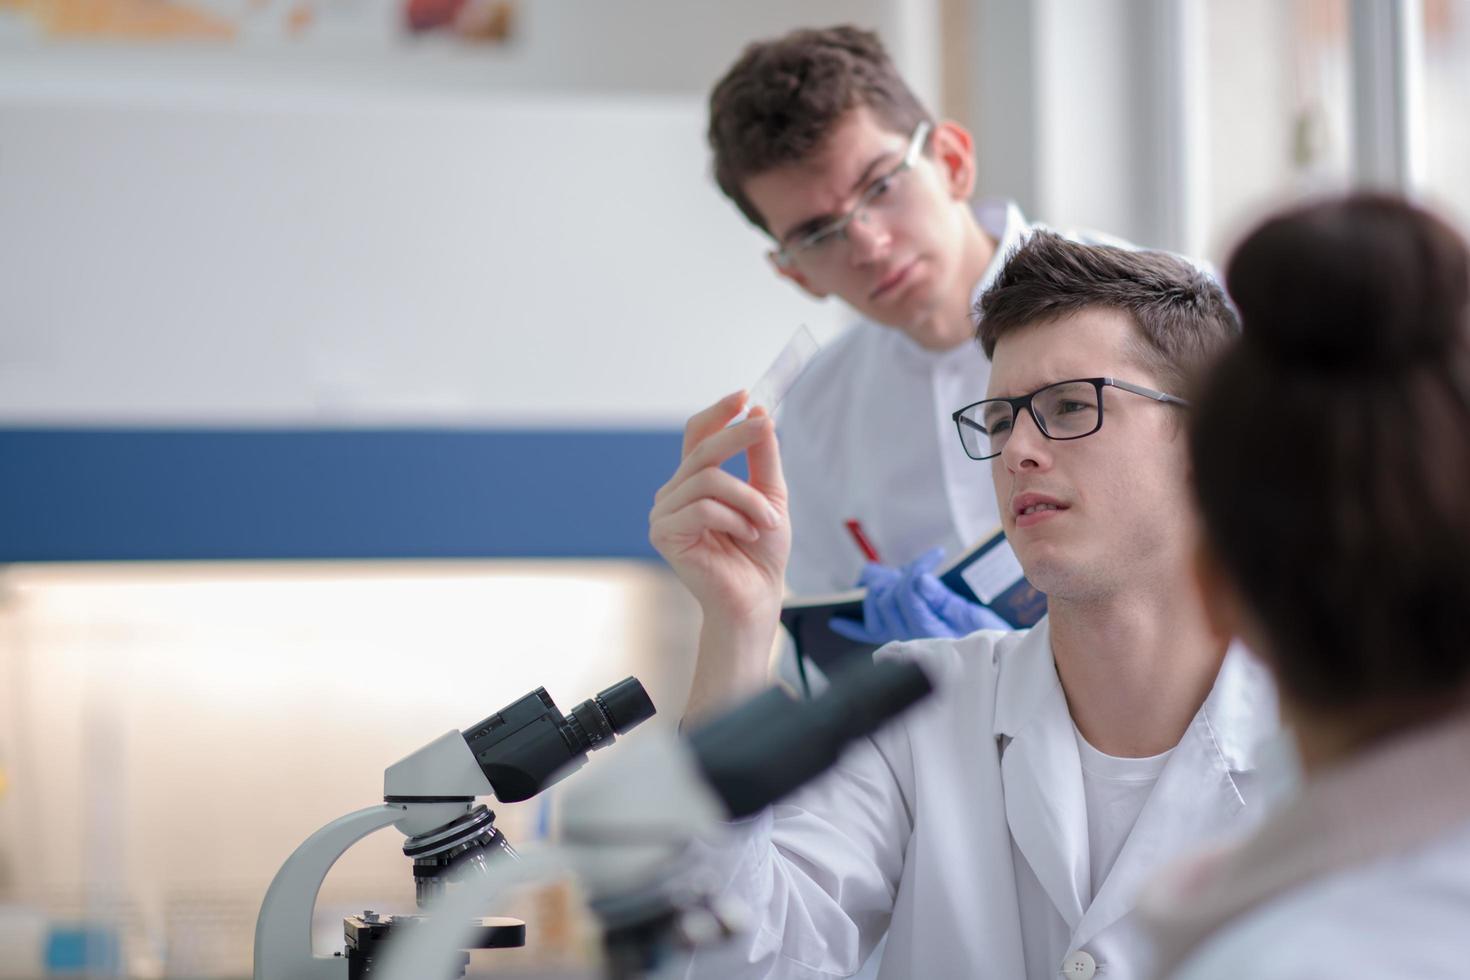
960	668
823	386
1396	918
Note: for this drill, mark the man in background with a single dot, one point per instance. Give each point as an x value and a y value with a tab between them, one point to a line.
866	196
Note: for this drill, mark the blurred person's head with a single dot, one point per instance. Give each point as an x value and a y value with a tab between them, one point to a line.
809	126
1331	448
1107	512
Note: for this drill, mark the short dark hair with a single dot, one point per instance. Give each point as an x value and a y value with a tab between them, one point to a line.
780	100
1330	452
1182	315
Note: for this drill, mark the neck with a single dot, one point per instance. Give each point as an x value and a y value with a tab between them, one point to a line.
1135	670
957	313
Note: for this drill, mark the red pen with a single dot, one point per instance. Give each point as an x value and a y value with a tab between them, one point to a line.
855	528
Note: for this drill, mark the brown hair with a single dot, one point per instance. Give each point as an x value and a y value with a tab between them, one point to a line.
779	101
1182	316
1331	453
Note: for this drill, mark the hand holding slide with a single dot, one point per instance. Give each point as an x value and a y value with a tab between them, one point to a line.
727	539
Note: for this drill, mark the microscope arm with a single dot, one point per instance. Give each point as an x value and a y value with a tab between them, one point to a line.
524	748
283	932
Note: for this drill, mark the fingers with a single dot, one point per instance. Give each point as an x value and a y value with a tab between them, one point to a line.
876	575
962	615
732	493
940	597
704	424
764	456
918	619
880	614
716	449
926	562
852	630
677	529
951	614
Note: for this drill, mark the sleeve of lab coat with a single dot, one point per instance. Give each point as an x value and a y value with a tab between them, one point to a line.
818	873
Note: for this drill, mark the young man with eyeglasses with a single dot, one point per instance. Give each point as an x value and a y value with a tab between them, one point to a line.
1003	828
866	197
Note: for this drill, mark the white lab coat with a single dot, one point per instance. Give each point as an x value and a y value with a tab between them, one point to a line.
961	829
1365	873
867	434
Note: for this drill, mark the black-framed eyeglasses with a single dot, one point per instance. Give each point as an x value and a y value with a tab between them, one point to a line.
1061	410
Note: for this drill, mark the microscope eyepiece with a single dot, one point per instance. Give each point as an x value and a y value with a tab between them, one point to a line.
611	712
626	704
527	746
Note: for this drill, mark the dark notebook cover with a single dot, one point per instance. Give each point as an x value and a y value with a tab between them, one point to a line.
988	570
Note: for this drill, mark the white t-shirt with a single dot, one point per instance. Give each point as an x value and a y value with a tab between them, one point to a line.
1115	790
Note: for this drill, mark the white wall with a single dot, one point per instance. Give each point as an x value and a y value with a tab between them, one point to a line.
222	254
1063	108
362	231
1091	133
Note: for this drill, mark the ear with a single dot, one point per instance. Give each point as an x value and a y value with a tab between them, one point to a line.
794	274
954	154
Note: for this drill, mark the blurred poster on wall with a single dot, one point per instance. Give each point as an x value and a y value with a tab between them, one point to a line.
335	23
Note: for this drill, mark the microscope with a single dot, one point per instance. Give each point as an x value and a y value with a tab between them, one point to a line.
627	828
429	796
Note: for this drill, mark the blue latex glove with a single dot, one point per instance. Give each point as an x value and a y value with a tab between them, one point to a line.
910	602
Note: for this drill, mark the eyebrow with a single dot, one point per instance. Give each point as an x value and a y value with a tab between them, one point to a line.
811	224
1031	390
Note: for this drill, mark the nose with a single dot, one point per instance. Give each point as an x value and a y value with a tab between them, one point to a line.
867	238
1027	448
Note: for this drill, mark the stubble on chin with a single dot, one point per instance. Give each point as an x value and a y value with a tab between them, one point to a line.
1060	578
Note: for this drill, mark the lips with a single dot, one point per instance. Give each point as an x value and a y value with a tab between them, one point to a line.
1030	509
893	280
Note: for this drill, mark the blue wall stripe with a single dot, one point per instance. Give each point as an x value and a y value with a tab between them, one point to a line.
132	494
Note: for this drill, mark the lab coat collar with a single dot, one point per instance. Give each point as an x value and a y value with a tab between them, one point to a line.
1195	798
1042	774
1241	710
1028	678
1003	221
1239	713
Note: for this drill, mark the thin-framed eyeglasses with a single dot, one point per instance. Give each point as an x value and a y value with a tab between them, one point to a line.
828	242
1061	410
